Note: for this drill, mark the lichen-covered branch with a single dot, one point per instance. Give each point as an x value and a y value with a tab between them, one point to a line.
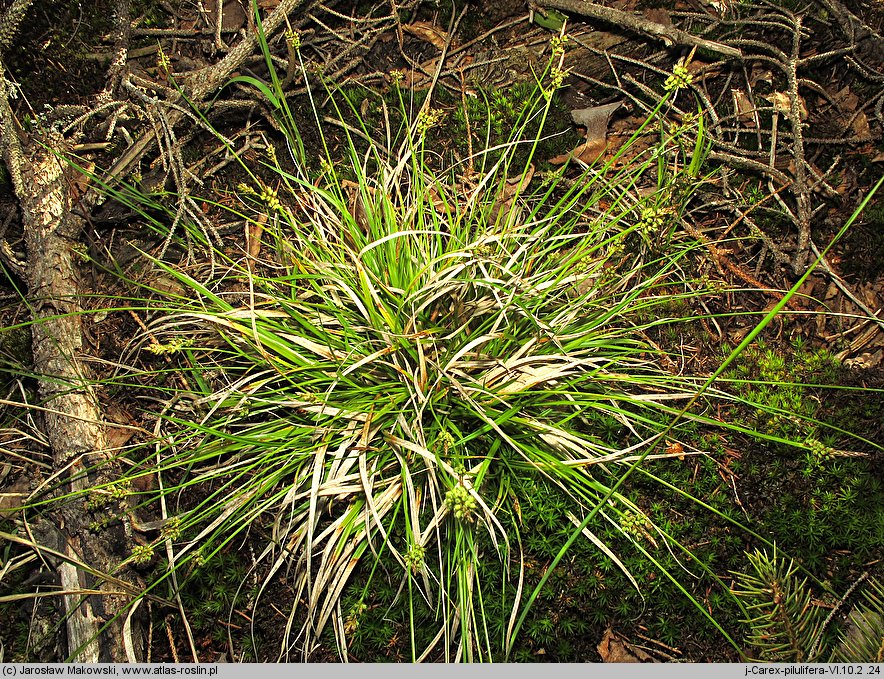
639	24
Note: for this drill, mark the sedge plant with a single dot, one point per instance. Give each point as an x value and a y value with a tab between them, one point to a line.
393	347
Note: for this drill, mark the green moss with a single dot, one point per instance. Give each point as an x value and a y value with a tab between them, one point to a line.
210	592
782	382
15	347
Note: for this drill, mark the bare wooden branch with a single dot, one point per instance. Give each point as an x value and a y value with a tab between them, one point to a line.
72	416
639	24
200	84
117	67
11	20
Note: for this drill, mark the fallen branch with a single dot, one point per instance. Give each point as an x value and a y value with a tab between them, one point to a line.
97	624
636	23
72	417
206	81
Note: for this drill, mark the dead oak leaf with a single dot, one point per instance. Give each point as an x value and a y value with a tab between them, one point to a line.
615	648
595	120
427	32
587	153
745	108
782	103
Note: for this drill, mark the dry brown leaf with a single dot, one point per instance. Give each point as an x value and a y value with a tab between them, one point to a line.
145	483
675	448
805	291
850	112
419	78
614	648
860	125
760	74
591	151
189	24
254	229
13	497
427	32
702	69
233	16
588	153
512	188
595	119
117	437
436	200
79	181
744	108
658	15
563	158
625	5
847	101
516	185
782	103
356	203
621	132
869	294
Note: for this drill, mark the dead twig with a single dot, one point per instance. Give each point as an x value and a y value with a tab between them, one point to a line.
636	23
11	20
117	69
794	114
839	282
200	84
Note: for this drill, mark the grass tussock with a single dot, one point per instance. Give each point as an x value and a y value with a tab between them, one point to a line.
398	345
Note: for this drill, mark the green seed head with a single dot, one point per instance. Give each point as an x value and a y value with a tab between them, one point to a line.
141	554
680	78
461	503
414	557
